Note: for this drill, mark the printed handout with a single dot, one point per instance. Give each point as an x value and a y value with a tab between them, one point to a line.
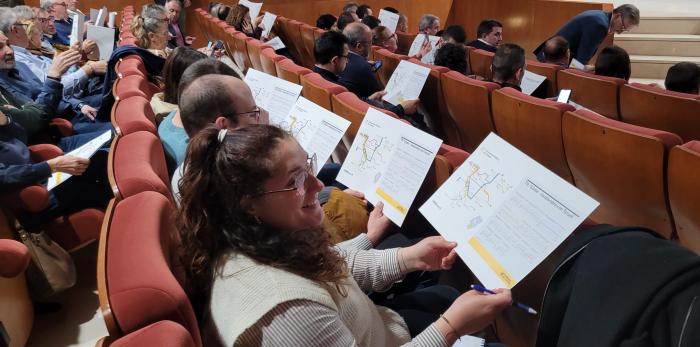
253	7
506	212
389	19
406	83
275	95
531	81
268	22
429	58
85	151
104	37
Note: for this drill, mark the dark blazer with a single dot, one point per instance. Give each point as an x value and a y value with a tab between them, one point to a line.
585	32
358	76
480	45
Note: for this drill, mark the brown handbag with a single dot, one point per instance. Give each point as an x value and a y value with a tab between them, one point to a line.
52	268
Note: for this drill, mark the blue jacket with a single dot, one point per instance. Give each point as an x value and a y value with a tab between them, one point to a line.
585	32
358	76
63	30
16	167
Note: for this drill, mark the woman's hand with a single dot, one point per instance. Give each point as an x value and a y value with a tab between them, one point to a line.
69	164
430	254
472	312
377	224
247	26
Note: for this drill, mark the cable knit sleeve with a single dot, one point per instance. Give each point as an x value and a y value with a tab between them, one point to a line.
305	323
373	269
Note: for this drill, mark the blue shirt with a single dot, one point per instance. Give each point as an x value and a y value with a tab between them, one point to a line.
63	30
585	32
47	94
174	141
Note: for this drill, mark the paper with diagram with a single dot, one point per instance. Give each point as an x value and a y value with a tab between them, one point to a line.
429	58
506	212
575	64
85	151
388	162
406	83
275	95
253	7
389	19
316	129
268	22
531	81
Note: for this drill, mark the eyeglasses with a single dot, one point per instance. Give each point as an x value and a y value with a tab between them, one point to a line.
61	4
45	20
254	113
622	22
299	179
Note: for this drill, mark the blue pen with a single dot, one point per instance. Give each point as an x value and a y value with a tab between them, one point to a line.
526	308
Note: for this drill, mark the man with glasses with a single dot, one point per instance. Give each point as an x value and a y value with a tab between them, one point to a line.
48	29
63	24
587	30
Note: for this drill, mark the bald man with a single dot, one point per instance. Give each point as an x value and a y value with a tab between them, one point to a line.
358	76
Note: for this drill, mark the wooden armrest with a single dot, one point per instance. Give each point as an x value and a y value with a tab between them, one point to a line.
44	152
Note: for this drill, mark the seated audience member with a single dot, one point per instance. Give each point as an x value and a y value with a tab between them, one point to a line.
170	130
18	170
454	34
452	56
222	12
239	18
556	51
62	21
363	11
346	18
331	53
327	22
370	21
508	66
213	8
429	24
179	39
268	254
683	78
24	13
350	7
489	36
46	22
402	25
358	77
383	37
614	61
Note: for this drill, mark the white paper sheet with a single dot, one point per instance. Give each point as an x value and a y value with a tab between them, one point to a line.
85	151
418	43
78	30
254	8
469	341
101	16
505	211
112	19
93	13
389	19
105	39
316	129
406	83
275	43
268	22
530	82
275	95
388	162
575	64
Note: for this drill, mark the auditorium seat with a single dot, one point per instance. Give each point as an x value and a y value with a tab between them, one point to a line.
255	48
319	91
654	107
163	333
268	58
622	166
352	108
280	28
139	233
468	103
533	126
404	42
130	65
134	85
288	71
546	70
137	164
133	114
684	192
317	34
308	41
16	312
480	62
240	50
433	101
390	62
292	29
596	93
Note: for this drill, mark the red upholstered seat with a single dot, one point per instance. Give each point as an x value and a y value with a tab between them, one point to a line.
127	42
255	48
390	62
468	103
137	164
532	125
684	192
350	107
14	258
318	90
404	42
307	49
240	50
268	58
657	108
293	41
600	94
455	156
163	333
480	62
138	267
130	65
546	70
433	101
133	85
133	114
288	71
622	166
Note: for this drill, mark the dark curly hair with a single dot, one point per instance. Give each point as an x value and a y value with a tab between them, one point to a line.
212	222
452	56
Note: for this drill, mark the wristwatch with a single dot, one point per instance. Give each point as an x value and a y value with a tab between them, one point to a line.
80	106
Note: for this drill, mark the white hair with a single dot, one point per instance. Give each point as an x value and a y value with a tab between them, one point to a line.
23	12
8	18
427	21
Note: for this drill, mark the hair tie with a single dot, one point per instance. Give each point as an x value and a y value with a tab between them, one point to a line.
222	135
